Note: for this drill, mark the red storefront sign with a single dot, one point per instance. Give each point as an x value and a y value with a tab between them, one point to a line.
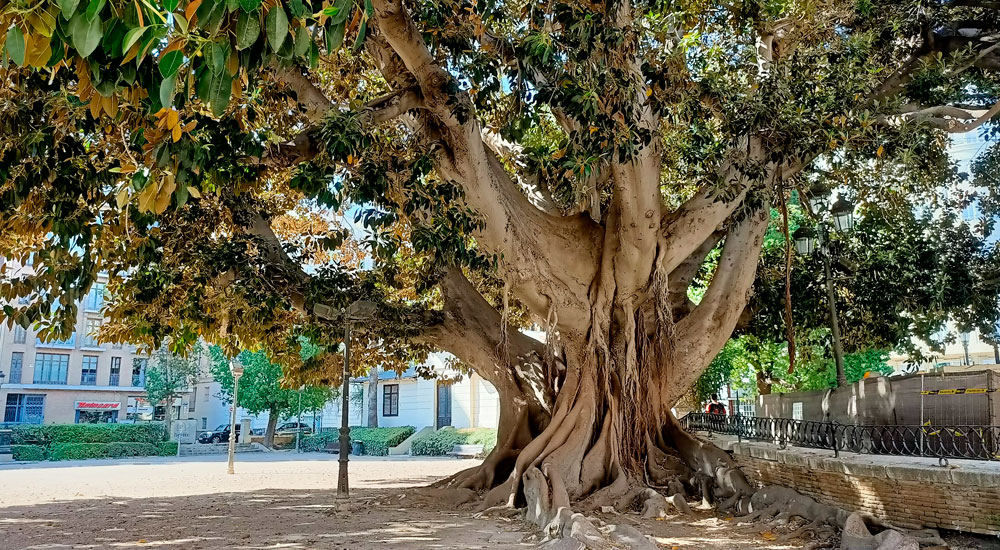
98	405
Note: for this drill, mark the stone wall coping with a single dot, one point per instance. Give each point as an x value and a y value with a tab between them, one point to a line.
976	473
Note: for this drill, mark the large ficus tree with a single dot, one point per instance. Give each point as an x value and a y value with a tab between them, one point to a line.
565	163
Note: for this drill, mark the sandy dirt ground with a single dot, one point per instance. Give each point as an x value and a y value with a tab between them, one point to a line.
284	501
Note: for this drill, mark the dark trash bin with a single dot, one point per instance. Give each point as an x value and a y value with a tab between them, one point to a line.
357	448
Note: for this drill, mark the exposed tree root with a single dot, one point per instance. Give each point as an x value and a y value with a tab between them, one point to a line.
781	504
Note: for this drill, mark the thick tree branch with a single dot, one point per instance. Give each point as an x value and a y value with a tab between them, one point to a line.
550	260
471	330
945	117
702	334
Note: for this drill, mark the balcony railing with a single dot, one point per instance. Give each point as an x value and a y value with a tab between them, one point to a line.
971	442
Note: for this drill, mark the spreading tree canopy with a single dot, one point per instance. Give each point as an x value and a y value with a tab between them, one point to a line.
564	163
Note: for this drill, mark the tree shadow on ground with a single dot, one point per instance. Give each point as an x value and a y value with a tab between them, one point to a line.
253	520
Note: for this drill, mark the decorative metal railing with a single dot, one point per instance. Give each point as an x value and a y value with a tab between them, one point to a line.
972	442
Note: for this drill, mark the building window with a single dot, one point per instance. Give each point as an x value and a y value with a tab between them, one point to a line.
204	423
24	408
90	337
16	362
88	373
20	335
139	372
194	399
95	298
116	371
390	400
67	343
51	368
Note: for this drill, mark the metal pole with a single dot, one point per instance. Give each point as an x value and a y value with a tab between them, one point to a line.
345	430
232	424
921	415
831	298
298	427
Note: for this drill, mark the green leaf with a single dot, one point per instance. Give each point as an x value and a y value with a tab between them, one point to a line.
249	5
301	41
58	51
343	11
247	29
170	62
93	8
86	34
276	25
215	57
335	36
131	37
170	5
296	8
232	5
167	88
15	45
313	56
360	40
68	8
219	91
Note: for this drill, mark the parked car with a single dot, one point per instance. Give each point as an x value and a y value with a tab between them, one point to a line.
218	435
291	427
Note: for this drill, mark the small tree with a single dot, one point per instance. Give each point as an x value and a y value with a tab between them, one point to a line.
262	389
167	378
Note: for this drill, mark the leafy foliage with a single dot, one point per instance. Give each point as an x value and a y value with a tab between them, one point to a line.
442	442
44	435
376	441
261	386
169	376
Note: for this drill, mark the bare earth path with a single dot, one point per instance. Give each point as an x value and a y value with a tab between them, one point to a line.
278	501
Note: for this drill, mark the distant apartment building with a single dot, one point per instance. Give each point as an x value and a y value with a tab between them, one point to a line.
76	380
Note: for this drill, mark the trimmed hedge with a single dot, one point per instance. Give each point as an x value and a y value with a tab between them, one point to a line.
78	451
376	441
153	432
27	452
441	442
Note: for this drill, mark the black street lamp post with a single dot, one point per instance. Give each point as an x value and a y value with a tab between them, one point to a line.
806	241
360	310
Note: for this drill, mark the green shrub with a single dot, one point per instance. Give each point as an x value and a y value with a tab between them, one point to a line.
376	441
80	451
28	452
152	432
444	440
167	448
317	442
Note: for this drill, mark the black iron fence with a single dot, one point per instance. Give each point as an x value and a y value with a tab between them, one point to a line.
972	442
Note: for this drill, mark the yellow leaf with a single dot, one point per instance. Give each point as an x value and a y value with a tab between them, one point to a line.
233	63
147	196
166	191
190	9
768	535
190	125
122	197
173	117
132	52
95	106
649	92
176	134
880	151
194	192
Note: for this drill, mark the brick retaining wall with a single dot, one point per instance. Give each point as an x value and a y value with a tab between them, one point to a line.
909	492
